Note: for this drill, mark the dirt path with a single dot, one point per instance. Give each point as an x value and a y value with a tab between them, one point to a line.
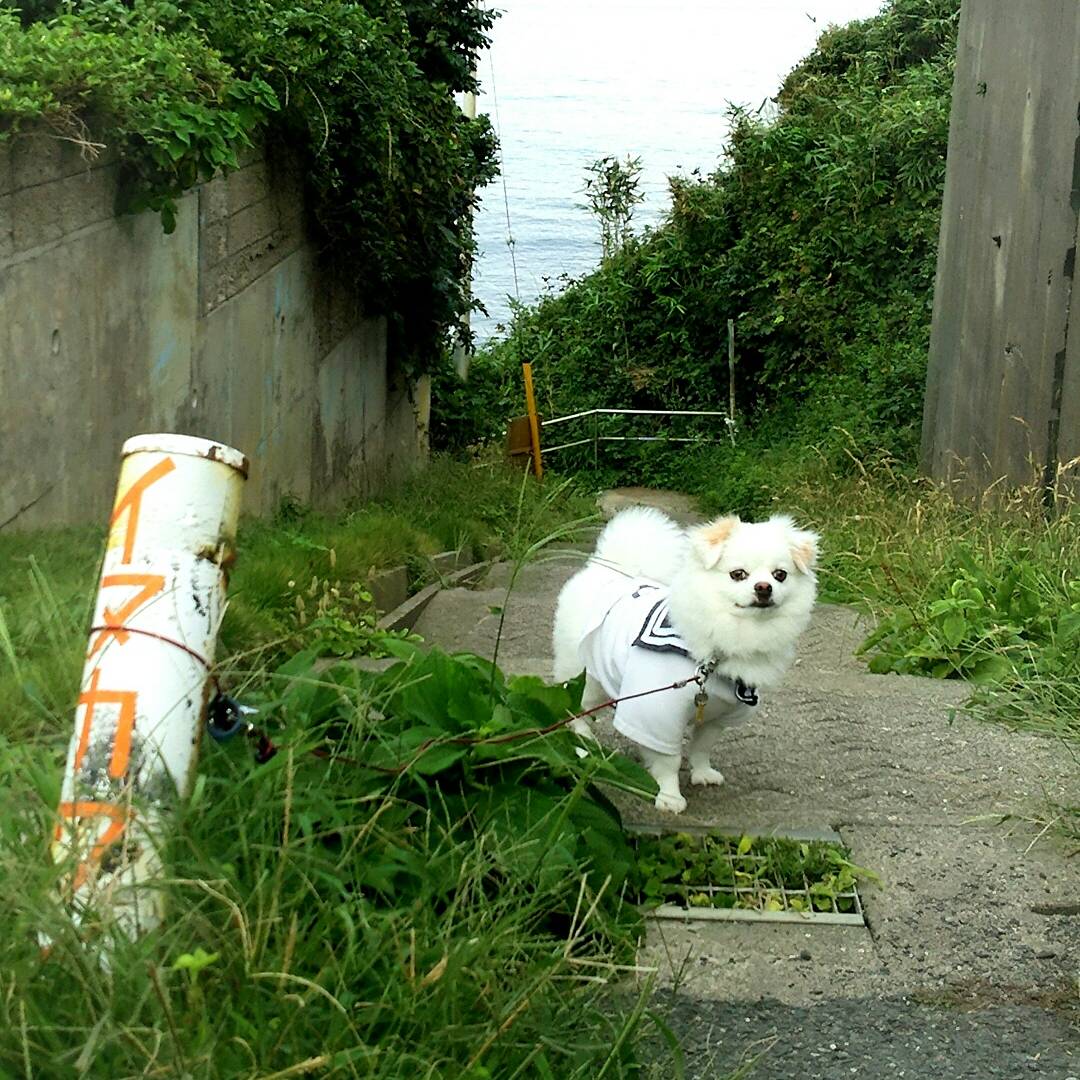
969	963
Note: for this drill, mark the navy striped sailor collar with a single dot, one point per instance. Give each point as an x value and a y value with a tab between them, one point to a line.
658	634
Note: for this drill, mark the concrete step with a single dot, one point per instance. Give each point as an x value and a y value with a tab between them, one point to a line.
948	812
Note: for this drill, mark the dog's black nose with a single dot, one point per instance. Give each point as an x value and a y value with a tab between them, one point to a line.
763	590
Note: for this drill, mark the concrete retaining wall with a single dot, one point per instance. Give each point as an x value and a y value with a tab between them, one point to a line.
226	329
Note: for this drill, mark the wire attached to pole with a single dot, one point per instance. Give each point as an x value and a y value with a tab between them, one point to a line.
502	174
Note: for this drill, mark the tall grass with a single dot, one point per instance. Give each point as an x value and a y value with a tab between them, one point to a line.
316	924
982	589
46	595
299	564
979	588
312	929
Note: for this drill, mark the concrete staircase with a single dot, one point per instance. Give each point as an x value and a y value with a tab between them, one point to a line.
969	938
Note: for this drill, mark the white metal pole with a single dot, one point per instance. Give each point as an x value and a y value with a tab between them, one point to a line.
146	681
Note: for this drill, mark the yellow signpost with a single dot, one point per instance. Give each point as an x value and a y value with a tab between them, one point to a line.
534	422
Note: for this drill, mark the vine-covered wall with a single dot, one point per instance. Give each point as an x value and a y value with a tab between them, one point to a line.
362	91
227	328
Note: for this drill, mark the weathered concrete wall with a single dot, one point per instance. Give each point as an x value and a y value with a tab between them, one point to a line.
226	329
1003	388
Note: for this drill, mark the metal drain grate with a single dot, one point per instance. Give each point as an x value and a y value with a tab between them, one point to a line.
759	899
755	904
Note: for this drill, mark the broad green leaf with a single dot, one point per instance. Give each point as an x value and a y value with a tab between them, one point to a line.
1068	627
990	669
436	759
954	627
881	664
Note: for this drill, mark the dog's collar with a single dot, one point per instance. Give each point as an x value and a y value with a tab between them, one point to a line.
657	634
748	695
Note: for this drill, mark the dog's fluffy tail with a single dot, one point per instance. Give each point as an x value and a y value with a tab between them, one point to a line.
642	542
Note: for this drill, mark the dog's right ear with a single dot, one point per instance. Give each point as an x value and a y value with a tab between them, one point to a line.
709	540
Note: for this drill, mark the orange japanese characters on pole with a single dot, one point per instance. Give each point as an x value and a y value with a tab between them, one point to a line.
149	586
148	669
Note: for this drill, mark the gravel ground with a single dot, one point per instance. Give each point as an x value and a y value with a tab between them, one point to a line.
881	1039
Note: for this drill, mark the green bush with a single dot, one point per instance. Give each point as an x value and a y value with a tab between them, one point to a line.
299	578
817	236
469	413
173	109
439	894
1000	615
437	888
953	588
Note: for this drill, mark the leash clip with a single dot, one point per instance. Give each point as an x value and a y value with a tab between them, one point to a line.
704	671
701	698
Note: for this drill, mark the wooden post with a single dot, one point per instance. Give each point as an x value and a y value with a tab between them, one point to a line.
534	423
1003	371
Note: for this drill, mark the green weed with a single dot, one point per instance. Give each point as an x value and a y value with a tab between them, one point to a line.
750	872
300	579
956	589
439	894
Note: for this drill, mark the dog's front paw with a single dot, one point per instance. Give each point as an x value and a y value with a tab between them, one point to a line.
706	776
673	804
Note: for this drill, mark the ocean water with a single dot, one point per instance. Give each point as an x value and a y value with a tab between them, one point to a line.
566	83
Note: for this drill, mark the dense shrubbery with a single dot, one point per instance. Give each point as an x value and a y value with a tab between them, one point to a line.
817	236
441	893
364	91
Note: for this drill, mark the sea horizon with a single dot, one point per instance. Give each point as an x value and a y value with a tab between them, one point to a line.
567	84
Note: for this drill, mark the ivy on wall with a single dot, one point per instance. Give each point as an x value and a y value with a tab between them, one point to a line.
364	91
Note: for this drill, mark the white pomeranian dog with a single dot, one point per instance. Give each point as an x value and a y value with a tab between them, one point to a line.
657	604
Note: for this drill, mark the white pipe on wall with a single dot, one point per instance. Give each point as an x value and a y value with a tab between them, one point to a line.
146	681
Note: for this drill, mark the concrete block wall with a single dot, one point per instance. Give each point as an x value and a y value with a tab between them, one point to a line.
249	221
228	328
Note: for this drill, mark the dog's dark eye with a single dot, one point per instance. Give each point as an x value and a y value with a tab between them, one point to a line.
779	574
738	575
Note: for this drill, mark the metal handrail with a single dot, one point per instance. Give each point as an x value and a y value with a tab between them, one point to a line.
628	412
596	438
566	445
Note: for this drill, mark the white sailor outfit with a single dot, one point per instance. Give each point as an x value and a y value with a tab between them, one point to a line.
631	647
